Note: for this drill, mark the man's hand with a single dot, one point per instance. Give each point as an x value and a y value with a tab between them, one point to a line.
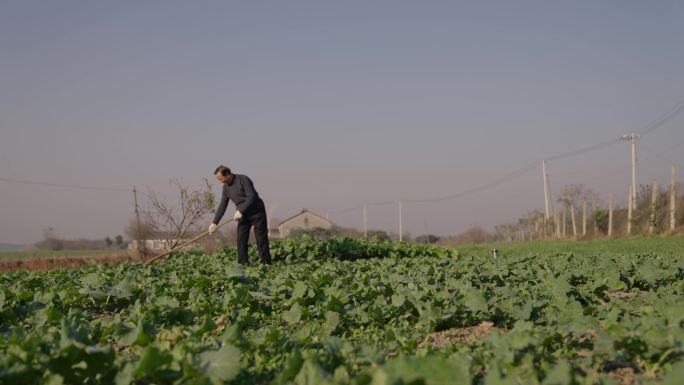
238	215
212	228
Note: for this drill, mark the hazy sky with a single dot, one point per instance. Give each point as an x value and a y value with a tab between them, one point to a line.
326	105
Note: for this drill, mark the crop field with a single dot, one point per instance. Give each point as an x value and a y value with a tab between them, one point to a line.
341	311
21	255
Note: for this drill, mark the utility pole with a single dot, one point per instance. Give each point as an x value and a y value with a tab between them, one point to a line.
593	214
584	218
401	235
610	214
629	211
548	205
574	224
673	197
137	223
632	138
365	222
565	219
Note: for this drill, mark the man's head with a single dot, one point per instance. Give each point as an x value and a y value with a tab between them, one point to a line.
223	174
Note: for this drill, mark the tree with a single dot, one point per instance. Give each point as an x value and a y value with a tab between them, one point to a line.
427	238
601	218
574	194
145	231
50	241
320	233
109	242
118	240
176	222
379	234
475	234
506	231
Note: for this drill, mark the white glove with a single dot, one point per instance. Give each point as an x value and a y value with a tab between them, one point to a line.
212	228
238	215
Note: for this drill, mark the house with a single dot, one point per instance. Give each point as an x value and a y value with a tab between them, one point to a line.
273	232
157	243
306	220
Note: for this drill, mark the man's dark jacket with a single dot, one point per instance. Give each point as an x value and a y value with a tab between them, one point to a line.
241	191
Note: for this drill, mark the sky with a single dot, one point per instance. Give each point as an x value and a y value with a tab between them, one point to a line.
327	105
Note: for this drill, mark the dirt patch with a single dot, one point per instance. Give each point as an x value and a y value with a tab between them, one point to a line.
34	264
467	335
623	295
623	376
623	372
97	314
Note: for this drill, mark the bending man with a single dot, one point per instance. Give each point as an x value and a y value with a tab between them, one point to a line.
250	212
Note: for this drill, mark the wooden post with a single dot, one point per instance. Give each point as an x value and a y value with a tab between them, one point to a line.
610	214
138	240
654	200
401	224
584	218
629	212
548	204
593	214
574	223
673	198
632	196
365	222
633	139
565	219
541	228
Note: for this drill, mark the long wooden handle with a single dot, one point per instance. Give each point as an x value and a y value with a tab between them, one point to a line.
193	240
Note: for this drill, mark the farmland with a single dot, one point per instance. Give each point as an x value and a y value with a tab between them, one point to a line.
341	311
19	255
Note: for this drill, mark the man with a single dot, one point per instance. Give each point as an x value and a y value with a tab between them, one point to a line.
250	212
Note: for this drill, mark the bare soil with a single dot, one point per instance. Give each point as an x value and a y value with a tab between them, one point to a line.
623	376
39	264
467	335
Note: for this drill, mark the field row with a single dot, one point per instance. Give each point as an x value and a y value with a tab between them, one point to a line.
349	312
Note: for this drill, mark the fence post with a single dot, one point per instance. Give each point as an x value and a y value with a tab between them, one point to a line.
629	211
610	214
584	218
673	198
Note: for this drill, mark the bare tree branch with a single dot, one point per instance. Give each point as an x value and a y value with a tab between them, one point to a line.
178	223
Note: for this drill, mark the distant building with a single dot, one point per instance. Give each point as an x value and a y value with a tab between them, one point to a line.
159	243
273	232
306	220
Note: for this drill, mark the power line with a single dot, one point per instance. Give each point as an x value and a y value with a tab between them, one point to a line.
359	207
496	182
384	203
660	155
519	172
347	210
664	118
81	187
486	186
655	124
584	150
668	149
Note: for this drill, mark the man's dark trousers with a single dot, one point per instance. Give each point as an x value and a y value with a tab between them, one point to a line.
258	220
